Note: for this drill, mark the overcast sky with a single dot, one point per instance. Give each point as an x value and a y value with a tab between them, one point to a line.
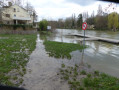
55	9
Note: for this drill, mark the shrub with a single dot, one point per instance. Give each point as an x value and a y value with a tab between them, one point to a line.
43	25
96	73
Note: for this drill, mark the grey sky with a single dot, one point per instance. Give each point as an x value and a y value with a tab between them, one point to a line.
82	2
54	9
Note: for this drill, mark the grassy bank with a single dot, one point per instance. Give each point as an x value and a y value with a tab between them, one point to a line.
84	78
61	50
14	54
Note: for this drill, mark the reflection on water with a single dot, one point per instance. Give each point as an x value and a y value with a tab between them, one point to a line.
100	55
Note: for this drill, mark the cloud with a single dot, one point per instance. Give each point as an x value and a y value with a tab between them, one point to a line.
48	3
81	2
55	9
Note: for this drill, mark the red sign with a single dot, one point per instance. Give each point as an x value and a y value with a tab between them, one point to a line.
84	26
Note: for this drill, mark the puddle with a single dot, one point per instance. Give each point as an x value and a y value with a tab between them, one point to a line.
3	37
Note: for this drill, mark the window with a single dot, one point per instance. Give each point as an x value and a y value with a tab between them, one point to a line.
14	9
14	15
7	15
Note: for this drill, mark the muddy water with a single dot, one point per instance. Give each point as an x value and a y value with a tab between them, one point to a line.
100	55
42	71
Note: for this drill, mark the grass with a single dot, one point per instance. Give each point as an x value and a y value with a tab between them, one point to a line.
83	72
83	80
61	50
63	65
14	54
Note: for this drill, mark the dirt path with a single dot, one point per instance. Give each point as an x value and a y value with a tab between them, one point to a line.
42	71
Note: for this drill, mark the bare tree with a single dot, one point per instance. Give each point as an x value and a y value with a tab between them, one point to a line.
53	24
1	8
31	11
73	21
29	7
19	2
85	16
99	11
93	14
61	23
68	22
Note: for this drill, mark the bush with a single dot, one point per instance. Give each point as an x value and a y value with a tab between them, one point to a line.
16	26
43	25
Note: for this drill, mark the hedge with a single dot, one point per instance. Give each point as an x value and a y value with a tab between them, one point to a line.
16	26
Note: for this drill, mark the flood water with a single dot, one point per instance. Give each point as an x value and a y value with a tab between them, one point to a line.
101	56
42	70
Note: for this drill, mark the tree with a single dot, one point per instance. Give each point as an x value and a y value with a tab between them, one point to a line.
101	22
99	11
53	24
29	7
79	21
18	2
113	21
73	21
90	21
100	19
2	4
31	11
61	23
43	25
68	22
93	14
85	16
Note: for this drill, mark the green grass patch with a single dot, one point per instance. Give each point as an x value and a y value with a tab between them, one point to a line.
83	72
61	50
14	54
83	80
63	65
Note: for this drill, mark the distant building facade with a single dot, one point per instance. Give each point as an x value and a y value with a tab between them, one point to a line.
14	14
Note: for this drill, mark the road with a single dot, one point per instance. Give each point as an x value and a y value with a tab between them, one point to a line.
42	71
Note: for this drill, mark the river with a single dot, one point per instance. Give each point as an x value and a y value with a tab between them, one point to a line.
100	55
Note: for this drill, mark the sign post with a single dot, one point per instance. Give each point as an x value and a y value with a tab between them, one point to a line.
84	26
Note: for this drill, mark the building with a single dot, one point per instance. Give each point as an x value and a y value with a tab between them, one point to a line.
14	14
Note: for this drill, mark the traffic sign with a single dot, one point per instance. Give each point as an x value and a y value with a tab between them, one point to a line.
84	26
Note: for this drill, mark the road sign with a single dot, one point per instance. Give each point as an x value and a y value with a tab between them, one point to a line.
84	26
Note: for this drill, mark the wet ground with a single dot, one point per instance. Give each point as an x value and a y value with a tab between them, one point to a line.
101	56
42	71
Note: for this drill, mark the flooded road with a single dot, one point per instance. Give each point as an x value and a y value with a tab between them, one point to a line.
100	55
42	71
